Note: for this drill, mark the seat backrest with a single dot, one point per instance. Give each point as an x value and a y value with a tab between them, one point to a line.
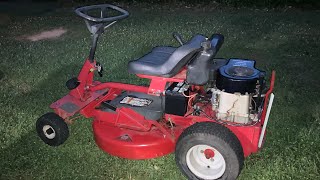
182	55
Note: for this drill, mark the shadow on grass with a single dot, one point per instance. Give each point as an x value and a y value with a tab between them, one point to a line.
23	158
50	89
23	107
1	75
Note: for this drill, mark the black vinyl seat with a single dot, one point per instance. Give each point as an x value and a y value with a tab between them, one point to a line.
166	61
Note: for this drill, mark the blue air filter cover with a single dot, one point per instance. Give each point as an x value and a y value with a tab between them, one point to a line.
238	75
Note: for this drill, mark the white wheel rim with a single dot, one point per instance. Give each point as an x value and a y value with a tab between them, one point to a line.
49	131
205	165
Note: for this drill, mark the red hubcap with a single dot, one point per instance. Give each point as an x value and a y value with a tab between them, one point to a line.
209	153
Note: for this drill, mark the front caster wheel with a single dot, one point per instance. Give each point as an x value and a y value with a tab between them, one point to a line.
209	150
52	129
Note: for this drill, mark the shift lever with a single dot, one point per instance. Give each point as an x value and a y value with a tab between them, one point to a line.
178	37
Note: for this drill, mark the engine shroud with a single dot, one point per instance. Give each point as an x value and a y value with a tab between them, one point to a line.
238	75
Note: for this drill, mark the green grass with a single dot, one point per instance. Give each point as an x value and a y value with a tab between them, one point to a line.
34	73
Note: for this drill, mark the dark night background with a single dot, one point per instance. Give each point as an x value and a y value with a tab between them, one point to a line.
305	4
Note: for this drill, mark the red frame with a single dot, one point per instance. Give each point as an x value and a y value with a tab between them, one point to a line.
125	133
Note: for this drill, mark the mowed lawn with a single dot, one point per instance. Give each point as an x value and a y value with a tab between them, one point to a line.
33	75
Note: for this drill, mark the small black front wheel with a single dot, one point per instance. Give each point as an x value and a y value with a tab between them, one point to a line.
209	150
52	129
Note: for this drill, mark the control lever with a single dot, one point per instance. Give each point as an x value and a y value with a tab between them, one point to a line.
178	37
99	69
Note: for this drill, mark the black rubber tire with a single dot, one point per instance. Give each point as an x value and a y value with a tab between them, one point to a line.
58	125
216	136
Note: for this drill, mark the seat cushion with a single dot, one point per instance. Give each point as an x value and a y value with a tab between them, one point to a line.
166	61
157	56
148	63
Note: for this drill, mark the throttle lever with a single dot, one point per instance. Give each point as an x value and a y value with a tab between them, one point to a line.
99	69
178	37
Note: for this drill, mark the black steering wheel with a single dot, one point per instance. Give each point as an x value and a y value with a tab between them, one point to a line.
97	25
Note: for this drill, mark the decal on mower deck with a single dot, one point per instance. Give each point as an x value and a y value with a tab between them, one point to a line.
134	101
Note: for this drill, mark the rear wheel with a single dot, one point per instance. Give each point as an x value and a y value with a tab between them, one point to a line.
208	150
52	129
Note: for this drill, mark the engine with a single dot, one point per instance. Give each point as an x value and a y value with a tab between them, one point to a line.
237	92
234	90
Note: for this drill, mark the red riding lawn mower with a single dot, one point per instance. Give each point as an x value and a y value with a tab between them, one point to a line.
211	112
